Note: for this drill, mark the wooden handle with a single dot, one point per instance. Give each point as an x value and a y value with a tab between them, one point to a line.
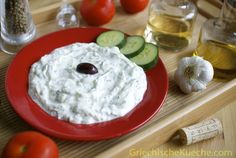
209	8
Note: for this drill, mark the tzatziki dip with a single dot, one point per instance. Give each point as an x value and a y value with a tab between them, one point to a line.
62	91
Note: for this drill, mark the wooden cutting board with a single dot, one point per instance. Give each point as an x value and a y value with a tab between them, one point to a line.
178	110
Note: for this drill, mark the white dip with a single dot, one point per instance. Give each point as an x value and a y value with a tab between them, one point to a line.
61	91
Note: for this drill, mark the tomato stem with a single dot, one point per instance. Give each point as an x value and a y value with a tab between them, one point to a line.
23	149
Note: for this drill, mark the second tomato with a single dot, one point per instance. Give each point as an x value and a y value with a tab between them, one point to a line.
30	144
133	6
97	12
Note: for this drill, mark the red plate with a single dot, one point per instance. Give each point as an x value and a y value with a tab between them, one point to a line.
17	92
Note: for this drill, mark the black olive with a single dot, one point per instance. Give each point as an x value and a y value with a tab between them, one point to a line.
86	68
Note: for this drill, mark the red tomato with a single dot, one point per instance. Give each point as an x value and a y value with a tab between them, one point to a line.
133	6
30	145
97	12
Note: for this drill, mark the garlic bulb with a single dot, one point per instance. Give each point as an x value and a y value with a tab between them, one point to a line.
193	74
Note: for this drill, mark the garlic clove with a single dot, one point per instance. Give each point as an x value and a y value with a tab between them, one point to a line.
197	85
207	72
186	88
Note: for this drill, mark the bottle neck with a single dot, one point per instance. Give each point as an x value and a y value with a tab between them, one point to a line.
227	19
228	11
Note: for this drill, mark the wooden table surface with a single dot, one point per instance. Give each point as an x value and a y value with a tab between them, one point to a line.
223	145
178	110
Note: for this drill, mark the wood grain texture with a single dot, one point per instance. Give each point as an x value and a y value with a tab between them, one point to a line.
223	142
43	11
208	8
179	109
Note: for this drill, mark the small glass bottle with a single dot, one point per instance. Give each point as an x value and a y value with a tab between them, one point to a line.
170	23
67	17
217	42
17	27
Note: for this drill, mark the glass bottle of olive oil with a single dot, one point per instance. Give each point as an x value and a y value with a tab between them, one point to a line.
217	42
170	23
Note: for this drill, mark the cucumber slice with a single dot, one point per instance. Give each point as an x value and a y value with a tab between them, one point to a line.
133	46
148	58
111	39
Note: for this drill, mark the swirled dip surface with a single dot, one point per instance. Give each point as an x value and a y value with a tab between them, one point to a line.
61	91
